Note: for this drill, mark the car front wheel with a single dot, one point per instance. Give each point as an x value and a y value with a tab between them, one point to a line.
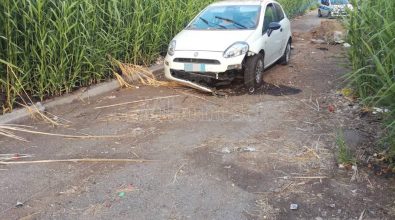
253	72
319	13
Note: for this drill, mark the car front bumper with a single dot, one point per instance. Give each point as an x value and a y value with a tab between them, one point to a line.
205	64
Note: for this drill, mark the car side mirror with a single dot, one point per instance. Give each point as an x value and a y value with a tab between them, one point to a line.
272	27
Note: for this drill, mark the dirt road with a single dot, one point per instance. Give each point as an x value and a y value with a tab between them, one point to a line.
236	157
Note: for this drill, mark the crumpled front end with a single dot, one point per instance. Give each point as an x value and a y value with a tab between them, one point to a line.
197	68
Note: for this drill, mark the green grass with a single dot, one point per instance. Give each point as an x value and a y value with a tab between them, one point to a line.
344	154
52	47
372	55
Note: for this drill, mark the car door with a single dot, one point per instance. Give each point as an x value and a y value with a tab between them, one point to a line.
272	43
284	27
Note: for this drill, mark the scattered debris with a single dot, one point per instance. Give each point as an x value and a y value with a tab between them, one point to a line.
121	194
318	41
331	108
19	204
226	150
338	37
346	92
303	177
249	149
294	206
377	110
346	45
128	188
16	156
330	31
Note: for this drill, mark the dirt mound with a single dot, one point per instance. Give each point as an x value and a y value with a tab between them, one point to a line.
330	31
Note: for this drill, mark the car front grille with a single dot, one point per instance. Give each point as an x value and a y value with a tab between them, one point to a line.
193	60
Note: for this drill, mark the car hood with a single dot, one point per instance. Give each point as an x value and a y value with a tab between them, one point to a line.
212	40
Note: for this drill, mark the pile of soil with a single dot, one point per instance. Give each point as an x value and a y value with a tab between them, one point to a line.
327	31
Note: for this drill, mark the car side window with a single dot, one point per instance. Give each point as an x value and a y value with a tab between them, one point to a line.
280	13
270	16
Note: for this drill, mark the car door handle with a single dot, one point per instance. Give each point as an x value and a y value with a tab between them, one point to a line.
281	30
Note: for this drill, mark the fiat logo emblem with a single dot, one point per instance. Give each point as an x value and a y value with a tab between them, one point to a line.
196	54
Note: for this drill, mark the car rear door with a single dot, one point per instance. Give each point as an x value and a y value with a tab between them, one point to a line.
272	43
285	26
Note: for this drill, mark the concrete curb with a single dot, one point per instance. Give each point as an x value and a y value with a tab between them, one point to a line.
83	93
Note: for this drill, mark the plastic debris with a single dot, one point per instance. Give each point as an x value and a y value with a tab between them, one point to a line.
317	41
338	37
380	110
121	194
249	149
331	108
294	206
226	150
19	204
346	45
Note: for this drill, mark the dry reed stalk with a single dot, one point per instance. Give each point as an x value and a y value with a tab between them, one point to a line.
84	160
138	74
138	101
6	129
36	113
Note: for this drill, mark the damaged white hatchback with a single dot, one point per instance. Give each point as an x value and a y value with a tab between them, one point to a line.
230	39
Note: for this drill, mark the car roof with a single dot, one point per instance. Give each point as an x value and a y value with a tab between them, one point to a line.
241	2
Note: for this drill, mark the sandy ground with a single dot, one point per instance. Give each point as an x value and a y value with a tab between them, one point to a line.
236	157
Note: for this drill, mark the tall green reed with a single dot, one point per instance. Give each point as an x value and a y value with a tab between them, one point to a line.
372	36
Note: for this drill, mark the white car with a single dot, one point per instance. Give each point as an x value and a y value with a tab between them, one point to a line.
230	39
333	8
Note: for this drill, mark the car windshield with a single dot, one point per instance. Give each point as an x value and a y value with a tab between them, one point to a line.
228	17
339	2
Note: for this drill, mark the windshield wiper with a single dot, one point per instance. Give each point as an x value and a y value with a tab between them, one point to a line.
208	23
231	21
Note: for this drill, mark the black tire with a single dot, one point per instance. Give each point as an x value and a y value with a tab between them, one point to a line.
253	72
284	60
319	13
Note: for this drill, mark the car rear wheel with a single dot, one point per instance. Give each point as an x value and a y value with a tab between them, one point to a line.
284	60
253	72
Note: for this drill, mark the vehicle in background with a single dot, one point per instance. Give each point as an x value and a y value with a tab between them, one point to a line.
333	8
227	40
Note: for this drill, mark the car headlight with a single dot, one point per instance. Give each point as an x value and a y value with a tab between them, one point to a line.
236	49
172	48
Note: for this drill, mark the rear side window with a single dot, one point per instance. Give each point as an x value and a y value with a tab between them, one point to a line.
280	12
270	16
